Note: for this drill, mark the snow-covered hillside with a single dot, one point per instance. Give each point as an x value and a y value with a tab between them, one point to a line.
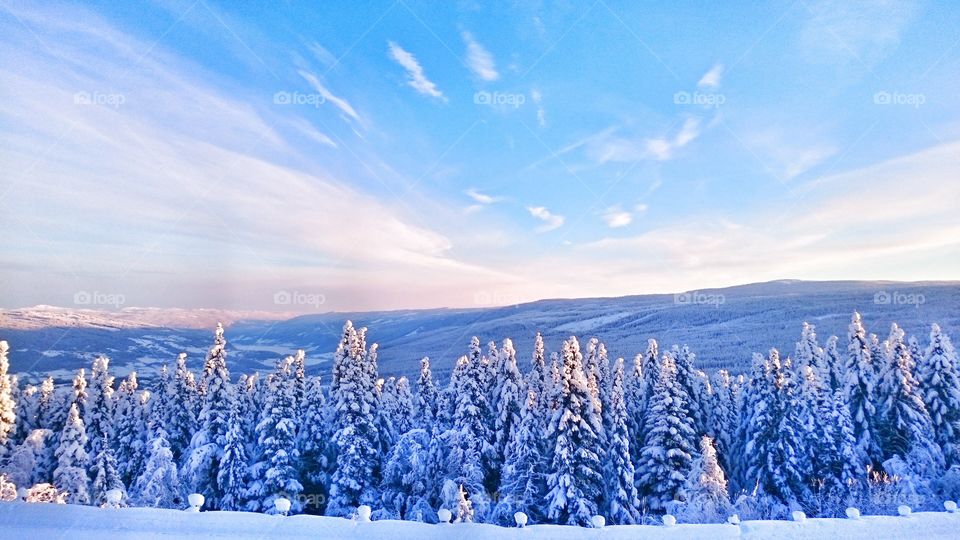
723	326
49	521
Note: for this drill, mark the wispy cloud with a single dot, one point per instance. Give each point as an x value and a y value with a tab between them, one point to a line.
615	217
415	76
322	55
619	149
550	220
479	59
481	198
328	96
711	79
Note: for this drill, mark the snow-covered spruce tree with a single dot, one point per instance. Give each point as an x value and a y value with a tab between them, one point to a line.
538	375
27	420
464	507
859	380
78	395
509	401
595	383
406	479
129	421
469	439
809	354
426	397
667	453
622	500
939	374
818	423
299	382
8	407
158	486
98	416
32	461
723	417
707	497
693	383
834	363
234	474
276	473
405	410
523	481
313	440
354	401
181	420
575	481
774	451
904	426
72	461
206	446
105	474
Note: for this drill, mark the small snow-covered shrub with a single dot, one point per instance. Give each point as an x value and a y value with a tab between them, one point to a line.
8	490
46	493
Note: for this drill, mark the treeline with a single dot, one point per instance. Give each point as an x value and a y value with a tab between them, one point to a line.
858	421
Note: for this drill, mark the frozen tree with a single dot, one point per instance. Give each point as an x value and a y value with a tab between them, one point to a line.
354	401
522	481
835	363
206	445
724	415
622	498
774	450
106	476
468	438
314	439
78	394
8	407
536	378
234	473
903	424
299	382
859	380
129	422
939	374
27	401
98	416
158	486
404	412
181	419
575	482
707	498
72	461
693	384
406	478
667	453
464	507
426	397
276	474
509	401
32	461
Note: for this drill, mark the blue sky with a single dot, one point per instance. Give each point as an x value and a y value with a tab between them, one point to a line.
405	154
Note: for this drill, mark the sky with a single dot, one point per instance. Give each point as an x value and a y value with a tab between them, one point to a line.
304	156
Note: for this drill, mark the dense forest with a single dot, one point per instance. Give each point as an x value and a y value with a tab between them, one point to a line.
858	421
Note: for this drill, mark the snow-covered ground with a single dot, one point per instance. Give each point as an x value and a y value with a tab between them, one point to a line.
49	522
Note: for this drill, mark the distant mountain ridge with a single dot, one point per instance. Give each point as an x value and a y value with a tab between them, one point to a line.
723	326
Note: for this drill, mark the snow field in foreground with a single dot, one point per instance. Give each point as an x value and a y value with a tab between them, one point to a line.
50	522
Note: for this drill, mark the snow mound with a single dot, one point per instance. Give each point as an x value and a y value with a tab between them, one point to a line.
23	520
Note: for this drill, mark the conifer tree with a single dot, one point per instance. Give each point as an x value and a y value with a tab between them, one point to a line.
158	486
939	374
234	474
575	481
72	461
276	474
207	444
128	422
707	498
181	418
8	406
354	400
523	482
667	453
426	397
106	476
622	498
859	380
509	395
904	426
98	415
